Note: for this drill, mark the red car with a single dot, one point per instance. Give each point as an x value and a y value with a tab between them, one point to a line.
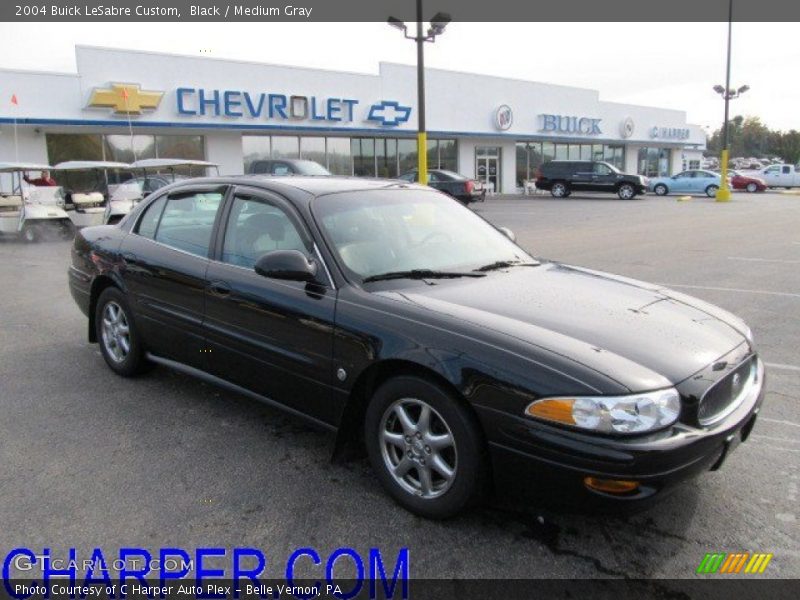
740	181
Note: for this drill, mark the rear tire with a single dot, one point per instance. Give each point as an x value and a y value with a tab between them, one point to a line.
711	191
117	335
426	447
559	190
661	190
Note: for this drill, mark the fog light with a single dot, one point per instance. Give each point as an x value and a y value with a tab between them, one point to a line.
611	486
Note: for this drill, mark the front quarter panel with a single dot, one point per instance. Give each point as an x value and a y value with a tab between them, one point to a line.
487	369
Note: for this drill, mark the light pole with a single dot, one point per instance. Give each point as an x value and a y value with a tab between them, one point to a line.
438	23
728	94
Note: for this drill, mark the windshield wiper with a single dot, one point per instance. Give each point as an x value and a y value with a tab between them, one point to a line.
503	264
420	274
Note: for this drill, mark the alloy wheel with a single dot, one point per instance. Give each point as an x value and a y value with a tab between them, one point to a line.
626	192
559	190
116	332
752	188
418	448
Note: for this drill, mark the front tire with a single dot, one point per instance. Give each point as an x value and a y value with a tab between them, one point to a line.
661	190
31	233
116	333
711	191
425	447
752	187
559	190
626	192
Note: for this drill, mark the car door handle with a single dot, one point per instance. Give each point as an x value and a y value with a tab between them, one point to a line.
129	258
220	288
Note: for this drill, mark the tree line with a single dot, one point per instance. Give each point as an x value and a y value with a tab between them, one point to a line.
749	137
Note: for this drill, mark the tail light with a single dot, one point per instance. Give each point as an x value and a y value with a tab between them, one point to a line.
470	186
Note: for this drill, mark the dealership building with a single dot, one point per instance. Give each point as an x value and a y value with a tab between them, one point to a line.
123	104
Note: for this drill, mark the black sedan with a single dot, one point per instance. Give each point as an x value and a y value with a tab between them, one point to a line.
416	331
453	184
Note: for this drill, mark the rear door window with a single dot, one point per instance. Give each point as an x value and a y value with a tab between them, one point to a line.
188	221
149	221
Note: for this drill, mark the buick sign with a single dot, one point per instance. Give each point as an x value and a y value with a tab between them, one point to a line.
503	117
569	124
626	128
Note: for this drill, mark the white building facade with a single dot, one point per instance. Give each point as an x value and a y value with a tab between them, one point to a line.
125	105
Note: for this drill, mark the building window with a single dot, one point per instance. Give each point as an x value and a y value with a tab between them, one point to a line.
340	160
285	146
313	148
119	148
448	155
386	157
190	147
615	155
363	157
654	162
255	147
407	155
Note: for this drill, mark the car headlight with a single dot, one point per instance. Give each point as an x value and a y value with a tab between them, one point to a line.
636	413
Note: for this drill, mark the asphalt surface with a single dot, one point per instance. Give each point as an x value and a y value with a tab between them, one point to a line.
88	459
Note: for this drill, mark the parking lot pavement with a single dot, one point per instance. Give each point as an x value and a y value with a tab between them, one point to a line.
90	459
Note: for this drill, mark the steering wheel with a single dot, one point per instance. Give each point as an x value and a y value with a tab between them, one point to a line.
433	235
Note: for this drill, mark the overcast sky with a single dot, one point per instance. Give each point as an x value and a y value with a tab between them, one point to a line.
670	65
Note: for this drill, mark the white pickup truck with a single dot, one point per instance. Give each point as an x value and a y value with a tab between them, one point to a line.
781	176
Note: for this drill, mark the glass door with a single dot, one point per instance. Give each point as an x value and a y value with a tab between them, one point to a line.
487	166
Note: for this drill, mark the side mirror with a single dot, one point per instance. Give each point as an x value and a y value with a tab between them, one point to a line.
290	265
508	233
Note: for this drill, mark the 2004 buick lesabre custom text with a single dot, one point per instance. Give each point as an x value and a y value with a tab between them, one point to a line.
401	320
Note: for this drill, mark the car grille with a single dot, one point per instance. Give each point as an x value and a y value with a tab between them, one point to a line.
726	395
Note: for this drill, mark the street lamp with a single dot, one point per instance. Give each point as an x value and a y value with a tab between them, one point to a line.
438	24
728	93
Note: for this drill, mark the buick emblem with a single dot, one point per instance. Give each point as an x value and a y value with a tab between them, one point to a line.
737	379
503	117
626	128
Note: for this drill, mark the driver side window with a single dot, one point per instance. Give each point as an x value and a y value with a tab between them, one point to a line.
256	227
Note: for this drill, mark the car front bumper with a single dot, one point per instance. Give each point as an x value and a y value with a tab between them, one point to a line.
548	464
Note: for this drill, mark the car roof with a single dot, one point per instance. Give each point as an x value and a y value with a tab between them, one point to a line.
316	185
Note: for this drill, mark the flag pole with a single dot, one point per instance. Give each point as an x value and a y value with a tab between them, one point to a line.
130	125
16	145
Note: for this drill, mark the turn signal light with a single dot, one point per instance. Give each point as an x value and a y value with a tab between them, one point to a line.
558	409
611	486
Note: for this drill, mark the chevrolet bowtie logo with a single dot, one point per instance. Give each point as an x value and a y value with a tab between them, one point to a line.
389	113
125	98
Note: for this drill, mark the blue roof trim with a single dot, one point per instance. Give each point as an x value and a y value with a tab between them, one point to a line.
377	132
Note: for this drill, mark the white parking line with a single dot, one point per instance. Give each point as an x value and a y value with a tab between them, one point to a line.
781	366
727	289
771	447
775	439
775	260
780	421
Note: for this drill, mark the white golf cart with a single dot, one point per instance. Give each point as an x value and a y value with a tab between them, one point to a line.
152	174
88	206
28	211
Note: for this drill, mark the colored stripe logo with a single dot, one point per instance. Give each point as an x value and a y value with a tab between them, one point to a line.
734	563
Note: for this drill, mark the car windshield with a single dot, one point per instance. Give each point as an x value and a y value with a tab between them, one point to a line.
451	174
309	167
389	231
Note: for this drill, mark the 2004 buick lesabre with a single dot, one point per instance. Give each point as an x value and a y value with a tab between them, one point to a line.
415	330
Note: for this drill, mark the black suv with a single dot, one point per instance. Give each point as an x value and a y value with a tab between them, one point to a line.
562	177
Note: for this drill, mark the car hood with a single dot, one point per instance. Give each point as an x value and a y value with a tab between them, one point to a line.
641	335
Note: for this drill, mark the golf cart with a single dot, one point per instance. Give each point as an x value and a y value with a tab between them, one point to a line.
155	174
31	212
88	206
